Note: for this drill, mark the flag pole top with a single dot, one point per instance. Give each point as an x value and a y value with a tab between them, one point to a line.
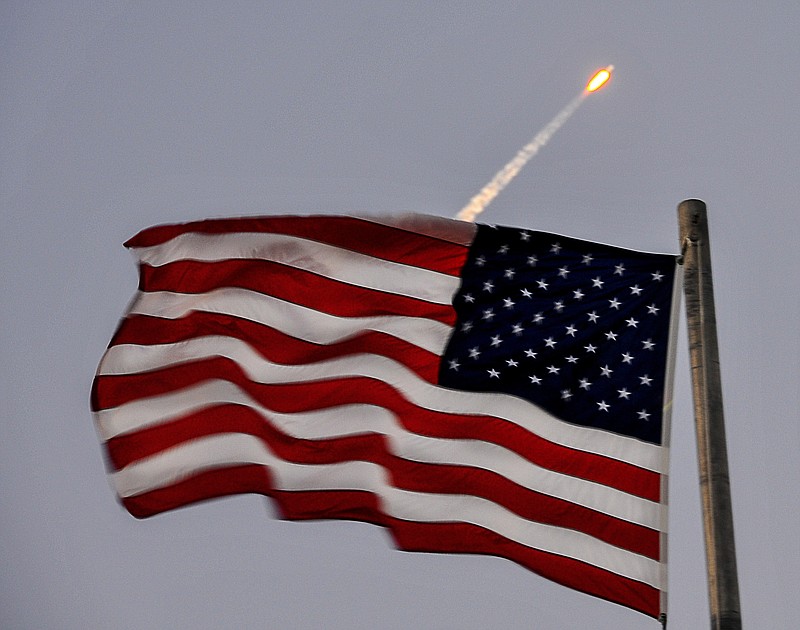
694	219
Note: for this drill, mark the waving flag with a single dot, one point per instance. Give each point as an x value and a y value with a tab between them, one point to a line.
474	389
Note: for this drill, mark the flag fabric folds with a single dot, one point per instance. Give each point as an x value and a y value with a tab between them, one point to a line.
472	388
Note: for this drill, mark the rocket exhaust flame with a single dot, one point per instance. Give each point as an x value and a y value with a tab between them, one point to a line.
600	78
479	202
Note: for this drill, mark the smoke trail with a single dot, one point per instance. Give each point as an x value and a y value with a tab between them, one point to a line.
479	202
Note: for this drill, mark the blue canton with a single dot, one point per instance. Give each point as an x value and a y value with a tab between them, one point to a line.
578	328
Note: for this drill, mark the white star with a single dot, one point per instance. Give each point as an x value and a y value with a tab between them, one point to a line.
603	406
643	415
571	359
517	329
532	260
631	322
468	298
566	394
587	260
454	365
614	303
496	341
466	326
658	276
611	336
645	380
549	342
648	345
619	269
593	316
559	306
623	393
571	330
493	373
553	369
585	384
606	371
535	380
542	284
597	282
525	293
635	290
578	294
556	248
590	348
525	236
563	271
652	309
488	314
488	286
473	353
480	261
538	318
503	249
509	273
508	303
511	363
627	358
530	353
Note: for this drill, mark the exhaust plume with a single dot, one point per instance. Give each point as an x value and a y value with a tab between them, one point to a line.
479	202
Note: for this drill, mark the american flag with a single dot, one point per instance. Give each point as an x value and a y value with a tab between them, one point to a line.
474	389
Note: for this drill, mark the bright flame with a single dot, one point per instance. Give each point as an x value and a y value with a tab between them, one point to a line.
599	79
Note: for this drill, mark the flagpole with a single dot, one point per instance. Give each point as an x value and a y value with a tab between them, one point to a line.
723	587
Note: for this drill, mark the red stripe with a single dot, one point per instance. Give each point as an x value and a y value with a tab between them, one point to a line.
472	539
270	343
405	474
110	391
409	536
289	284
380	241
210	484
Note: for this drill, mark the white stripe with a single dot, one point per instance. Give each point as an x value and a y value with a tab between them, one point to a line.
130	359
360	419
232	449
666	426
326	260
292	319
450	230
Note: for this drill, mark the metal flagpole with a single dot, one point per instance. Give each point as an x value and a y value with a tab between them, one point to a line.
723	586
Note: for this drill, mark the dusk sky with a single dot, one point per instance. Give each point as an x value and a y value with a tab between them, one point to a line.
115	116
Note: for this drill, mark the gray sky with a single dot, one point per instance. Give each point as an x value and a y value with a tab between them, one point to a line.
118	115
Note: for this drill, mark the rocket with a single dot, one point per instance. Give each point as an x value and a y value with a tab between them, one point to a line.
599	79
